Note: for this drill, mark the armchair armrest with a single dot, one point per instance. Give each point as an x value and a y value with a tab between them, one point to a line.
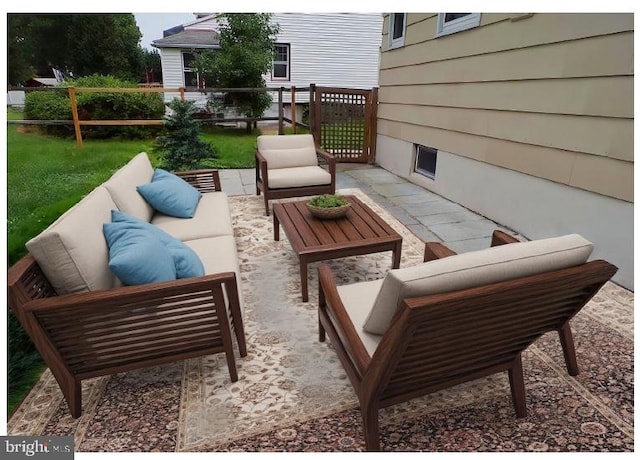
205	180
328	158
331	310
434	251
261	168
499	238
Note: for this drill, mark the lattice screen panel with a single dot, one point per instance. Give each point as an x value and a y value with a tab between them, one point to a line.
343	125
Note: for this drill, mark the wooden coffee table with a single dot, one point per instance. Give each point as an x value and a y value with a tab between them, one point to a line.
361	231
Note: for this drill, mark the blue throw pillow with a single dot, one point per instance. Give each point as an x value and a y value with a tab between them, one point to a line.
170	195
136	256
186	261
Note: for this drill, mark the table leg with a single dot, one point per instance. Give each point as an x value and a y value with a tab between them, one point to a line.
303	279
276	228
397	254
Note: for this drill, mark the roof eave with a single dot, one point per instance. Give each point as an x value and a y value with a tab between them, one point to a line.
184	45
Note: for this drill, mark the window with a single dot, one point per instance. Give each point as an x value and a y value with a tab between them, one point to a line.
281	61
450	23
426	158
397	29
191	76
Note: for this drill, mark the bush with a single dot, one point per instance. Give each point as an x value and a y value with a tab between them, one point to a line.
55	105
181	148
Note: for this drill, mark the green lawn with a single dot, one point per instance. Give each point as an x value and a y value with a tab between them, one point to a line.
47	175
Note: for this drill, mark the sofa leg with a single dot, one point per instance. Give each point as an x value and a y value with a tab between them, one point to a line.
516	381
568	349
73	396
371	428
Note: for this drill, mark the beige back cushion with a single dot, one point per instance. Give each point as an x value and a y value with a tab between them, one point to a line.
288	151
500	263
122	187
73	252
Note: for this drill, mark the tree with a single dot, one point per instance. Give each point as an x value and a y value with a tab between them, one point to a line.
78	44
245	55
151	71
182	148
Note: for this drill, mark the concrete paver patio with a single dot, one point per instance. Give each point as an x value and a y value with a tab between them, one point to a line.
428	215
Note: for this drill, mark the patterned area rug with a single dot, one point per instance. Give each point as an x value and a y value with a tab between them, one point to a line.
293	395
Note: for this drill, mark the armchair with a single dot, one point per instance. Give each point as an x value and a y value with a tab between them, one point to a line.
290	166
451	320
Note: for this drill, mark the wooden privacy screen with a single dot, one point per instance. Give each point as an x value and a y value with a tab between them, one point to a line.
345	122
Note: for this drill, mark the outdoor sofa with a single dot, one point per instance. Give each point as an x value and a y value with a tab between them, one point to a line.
82	319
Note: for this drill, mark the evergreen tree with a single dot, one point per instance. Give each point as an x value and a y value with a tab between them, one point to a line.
181	148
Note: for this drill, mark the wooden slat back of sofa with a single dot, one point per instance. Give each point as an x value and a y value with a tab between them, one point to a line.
205	180
440	340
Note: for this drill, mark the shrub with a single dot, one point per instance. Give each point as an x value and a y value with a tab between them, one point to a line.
55	105
181	148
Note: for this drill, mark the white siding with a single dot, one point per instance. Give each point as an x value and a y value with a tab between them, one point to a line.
339	50
172	74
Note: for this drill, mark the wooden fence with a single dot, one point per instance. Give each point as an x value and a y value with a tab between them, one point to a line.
343	121
77	123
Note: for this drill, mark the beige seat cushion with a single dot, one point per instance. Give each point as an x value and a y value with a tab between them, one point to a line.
218	255
298	177
288	151
212	218
122	187
73	252
472	269
358	299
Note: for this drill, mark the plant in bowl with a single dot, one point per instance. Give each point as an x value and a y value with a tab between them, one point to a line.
328	206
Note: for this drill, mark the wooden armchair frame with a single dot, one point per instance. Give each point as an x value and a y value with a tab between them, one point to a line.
325	160
441	340
89	334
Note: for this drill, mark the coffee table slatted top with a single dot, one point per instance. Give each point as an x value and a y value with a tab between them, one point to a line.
360	231
307	233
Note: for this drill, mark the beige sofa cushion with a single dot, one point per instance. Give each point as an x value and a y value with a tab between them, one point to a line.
358	298
212	218
122	187
472	269
218	255
288	151
298	177
73	252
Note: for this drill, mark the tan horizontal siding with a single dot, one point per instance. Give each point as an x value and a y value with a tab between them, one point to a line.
603	175
546	163
597	96
594	135
592	57
498	33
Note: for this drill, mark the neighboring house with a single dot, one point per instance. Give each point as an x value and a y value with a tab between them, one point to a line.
339	50
524	118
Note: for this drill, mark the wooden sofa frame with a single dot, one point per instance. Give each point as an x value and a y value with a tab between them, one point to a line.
325	159
90	334
441	340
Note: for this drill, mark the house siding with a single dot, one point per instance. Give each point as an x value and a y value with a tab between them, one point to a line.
529	112
337	50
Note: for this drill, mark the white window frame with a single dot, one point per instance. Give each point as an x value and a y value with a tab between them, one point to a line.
398	42
287	63
201	84
457	25
427	150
